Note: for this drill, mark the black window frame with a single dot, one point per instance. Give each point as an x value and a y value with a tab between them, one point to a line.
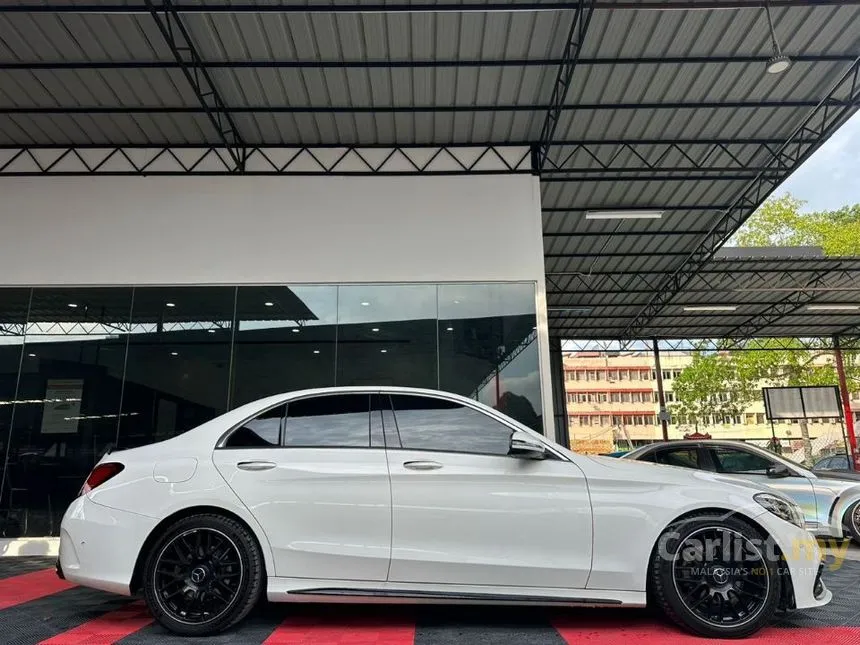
222	441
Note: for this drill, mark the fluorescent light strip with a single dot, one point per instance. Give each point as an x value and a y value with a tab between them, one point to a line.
628	214
833	307
711	308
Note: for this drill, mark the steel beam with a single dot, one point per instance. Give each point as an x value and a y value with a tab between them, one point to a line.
412	109
422	7
411	64
172	28
821	122
572	47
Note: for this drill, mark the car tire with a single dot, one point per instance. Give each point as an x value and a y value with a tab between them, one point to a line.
203	575
851	522
723	597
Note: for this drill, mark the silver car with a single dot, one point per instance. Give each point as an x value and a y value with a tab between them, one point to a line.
830	500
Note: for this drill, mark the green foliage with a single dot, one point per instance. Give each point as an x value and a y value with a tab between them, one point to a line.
779	222
711	386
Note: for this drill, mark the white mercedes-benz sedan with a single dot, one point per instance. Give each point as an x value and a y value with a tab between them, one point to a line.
375	493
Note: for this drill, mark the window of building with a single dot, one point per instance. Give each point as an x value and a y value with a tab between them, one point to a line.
613	375
645	374
426	423
759	417
615	397
604	420
571	397
623	375
617	420
628	420
667	375
604	397
263	431
584	421
634	375
676	373
625	397
334	421
601	375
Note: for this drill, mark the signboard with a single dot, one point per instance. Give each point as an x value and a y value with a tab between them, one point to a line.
808	402
62	407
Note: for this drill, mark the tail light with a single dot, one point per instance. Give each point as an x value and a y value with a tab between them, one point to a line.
100	474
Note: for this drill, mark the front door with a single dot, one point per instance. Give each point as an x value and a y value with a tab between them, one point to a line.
314	475
465	512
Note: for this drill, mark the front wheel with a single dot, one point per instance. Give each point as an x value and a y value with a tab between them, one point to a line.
851	522
203	575
714	577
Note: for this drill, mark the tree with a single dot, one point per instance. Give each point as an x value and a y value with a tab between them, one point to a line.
710	386
779	222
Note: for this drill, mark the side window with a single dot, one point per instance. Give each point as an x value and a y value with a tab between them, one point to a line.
732	460
647	457
263	431
426	423
683	457
331	421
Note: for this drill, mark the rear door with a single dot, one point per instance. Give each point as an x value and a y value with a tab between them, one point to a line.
314	474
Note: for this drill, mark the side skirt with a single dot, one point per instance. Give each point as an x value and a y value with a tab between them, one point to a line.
330	591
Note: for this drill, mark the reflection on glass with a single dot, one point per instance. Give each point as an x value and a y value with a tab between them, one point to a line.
387	335
285	340
178	365
339	421
69	399
488	347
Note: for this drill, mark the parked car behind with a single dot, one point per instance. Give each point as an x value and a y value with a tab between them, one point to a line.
830	500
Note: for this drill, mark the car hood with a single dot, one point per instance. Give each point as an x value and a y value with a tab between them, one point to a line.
659	473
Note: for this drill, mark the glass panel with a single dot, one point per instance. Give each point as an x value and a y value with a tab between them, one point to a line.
13	319
285	341
263	431
488	347
178	361
683	457
387	335
69	399
339	421
426	423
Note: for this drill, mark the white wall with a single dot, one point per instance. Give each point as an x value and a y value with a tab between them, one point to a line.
258	230
171	230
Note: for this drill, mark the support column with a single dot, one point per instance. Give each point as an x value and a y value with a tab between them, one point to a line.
846	404
661	396
559	395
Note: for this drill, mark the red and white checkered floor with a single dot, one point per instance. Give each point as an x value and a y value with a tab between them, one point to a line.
37	607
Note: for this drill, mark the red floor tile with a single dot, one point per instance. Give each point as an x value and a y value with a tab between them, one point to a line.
30	586
106	629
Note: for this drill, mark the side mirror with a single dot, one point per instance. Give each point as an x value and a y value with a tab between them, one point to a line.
777	472
525	446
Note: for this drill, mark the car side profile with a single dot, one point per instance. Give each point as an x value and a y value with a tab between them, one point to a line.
369	494
830	500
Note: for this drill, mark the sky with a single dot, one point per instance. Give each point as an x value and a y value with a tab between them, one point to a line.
830	178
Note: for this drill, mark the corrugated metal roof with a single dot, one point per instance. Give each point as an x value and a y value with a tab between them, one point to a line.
653	92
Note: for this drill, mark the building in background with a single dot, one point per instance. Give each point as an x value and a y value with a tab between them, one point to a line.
612	404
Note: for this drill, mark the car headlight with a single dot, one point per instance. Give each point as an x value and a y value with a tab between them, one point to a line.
782	508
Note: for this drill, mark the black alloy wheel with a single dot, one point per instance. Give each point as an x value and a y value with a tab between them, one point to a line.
198	575
716	576
725	590
203	575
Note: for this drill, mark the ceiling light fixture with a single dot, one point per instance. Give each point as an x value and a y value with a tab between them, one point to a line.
72	305
711	308
778	62
169	304
833	307
269	304
316	351
383	351
365	304
174	353
31	355
211	331
375	329
296	330
625	214
449	329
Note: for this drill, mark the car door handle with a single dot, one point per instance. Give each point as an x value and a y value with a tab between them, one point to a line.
422	465
255	465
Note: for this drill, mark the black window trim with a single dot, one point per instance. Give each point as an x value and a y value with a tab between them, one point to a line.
219	445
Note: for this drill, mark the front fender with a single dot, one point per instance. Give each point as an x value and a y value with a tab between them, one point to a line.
845	501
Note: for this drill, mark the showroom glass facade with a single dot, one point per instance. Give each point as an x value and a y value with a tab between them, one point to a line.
84	370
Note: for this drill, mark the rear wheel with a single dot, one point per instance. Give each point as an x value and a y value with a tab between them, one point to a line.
203	575
713	576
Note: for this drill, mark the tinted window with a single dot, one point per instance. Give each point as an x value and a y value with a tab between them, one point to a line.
647	457
425	423
262	431
334	421
732	460
683	457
